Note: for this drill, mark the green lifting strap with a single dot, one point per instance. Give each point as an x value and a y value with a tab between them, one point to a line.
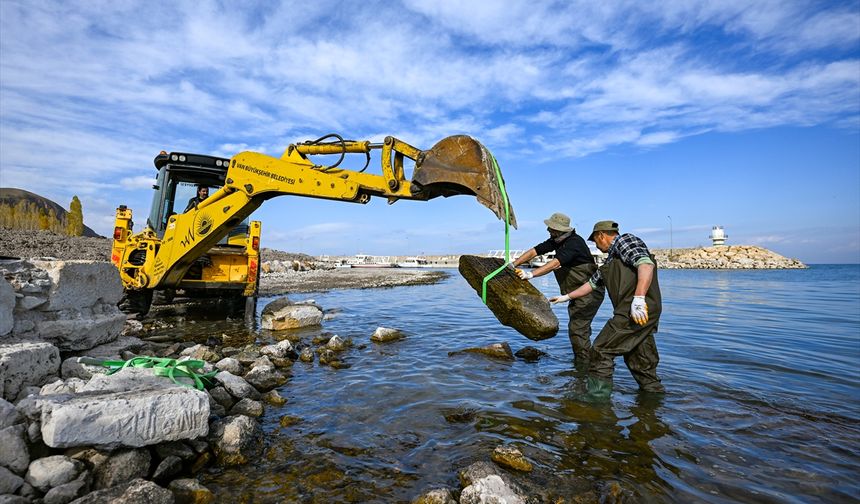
507	231
170	368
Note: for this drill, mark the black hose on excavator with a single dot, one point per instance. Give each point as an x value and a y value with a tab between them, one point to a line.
342	143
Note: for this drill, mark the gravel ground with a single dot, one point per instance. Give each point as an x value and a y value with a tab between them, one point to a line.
29	244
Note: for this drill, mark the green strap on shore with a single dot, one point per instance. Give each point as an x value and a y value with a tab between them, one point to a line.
170	368
507	231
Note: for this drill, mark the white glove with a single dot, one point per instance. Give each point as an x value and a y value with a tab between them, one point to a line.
524	275
639	310
559	299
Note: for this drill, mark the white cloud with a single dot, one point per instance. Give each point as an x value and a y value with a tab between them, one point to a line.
138	182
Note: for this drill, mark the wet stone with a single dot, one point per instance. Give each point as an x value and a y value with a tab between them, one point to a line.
247	407
229	364
512	457
436	496
236	440
530	354
306	355
288	420
175	449
515	303
222	397
386	335
274	398
500	351
168	467
190	491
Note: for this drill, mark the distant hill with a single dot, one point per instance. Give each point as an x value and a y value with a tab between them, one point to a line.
10	196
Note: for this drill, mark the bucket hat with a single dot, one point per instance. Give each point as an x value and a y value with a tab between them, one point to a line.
558	222
604	225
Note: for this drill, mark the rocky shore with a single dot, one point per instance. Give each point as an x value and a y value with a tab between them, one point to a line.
78	424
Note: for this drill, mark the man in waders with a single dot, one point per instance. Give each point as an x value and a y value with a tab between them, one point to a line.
573	265
630	275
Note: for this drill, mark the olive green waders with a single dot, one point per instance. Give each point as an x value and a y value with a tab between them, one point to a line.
622	336
581	311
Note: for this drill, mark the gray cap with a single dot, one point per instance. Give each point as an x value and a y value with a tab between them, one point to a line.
559	222
604	225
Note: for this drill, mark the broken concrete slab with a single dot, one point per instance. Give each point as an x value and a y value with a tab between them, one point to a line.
515	303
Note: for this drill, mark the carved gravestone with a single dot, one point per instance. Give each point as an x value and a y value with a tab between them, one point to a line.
516	303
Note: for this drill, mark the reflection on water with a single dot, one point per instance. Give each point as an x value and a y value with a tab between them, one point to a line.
761	369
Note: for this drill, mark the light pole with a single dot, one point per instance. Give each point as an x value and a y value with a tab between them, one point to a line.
670	237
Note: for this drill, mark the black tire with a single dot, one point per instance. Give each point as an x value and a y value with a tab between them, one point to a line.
250	309
136	302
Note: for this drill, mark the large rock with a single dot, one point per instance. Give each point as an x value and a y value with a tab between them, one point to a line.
81	283
7	305
236	440
14	454
9	414
132	408
489	490
516	303
138	491
282	314
120	467
49	472
24	365
237	386
9	482
190	491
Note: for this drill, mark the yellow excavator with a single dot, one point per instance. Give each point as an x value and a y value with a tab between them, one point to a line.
211	249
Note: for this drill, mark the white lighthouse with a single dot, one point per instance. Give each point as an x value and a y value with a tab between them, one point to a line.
718	235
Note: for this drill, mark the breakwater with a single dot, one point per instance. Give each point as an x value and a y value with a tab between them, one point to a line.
724	257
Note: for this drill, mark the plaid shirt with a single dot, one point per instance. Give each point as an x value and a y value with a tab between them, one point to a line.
630	249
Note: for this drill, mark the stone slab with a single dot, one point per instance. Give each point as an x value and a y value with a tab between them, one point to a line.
75	284
132	408
514	302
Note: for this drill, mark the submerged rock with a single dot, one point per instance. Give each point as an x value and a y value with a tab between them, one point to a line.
530	354
496	350
512	457
436	496
236	440
385	334
191	491
516	303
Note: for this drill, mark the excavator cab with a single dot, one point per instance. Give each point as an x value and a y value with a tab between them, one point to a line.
179	176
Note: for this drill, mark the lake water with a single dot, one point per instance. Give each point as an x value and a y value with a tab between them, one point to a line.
762	370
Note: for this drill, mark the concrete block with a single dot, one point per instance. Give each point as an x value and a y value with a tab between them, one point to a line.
26	364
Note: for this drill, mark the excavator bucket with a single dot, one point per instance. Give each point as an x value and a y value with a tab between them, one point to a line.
461	165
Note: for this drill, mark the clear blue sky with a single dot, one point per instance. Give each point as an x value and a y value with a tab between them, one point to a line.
744	114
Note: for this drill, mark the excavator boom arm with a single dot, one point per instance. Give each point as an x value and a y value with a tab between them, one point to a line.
455	165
